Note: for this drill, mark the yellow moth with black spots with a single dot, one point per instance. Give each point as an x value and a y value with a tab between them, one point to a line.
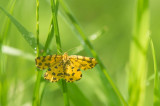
64	66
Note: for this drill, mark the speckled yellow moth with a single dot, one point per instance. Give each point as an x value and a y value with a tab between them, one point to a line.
64	66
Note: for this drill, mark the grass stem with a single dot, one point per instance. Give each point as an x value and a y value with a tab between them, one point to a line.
54	7
156	101
36	97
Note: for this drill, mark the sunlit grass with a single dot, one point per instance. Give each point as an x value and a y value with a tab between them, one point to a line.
156	77
138	51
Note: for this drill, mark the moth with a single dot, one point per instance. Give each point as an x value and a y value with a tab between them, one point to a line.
64	66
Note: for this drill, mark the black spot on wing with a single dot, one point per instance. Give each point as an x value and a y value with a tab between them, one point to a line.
59	74
71	79
81	75
54	78
40	64
44	57
91	65
90	60
72	62
53	73
78	69
56	67
47	64
83	65
43	60
67	74
55	57
73	74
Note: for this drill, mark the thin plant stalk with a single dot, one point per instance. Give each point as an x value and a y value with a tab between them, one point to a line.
47	44
54	6
37	25
156	101
36	97
49	38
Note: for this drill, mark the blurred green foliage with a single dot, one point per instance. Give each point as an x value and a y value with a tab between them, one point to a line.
113	48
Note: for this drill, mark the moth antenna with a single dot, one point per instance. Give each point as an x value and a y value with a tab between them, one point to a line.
59	52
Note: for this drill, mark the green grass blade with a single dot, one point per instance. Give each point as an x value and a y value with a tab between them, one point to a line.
138	60
36	95
28	36
37	25
55	22
47	44
88	46
151	77
156	79
7	22
3	82
49	38
91	38
54	7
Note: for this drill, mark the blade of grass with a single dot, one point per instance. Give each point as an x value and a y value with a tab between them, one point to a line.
54	6
36	96
156	79
98	34
137	59
7	22
27	36
37	26
47	44
49	38
88	46
91	38
3	81
151	77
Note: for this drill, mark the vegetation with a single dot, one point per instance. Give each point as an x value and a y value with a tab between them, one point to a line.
122	36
